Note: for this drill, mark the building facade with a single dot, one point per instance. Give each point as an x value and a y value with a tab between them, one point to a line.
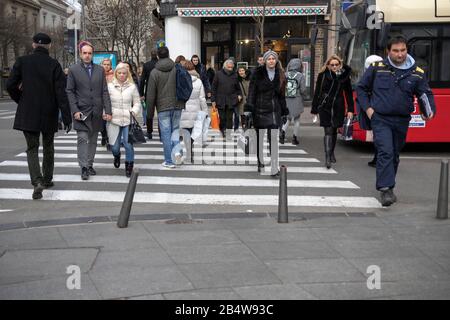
217	30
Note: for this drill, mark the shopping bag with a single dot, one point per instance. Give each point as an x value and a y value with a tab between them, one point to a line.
135	133
347	132
215	121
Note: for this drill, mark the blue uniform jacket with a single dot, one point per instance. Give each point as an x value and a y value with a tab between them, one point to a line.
394	90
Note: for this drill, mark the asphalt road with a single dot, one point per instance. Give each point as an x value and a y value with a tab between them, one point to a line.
350	187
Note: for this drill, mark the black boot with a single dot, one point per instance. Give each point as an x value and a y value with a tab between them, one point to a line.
128	168
333	145
327	141
295	141
117	161
282	136
260	167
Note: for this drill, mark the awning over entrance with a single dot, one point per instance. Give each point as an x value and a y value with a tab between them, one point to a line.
252	11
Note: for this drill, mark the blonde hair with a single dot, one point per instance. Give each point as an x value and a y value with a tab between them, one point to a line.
332	57
121	66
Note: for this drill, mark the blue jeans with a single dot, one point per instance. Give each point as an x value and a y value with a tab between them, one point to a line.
169	121
123	138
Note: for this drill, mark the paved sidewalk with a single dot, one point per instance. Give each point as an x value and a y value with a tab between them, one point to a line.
315	256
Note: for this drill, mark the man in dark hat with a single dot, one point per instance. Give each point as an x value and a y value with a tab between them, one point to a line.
37	84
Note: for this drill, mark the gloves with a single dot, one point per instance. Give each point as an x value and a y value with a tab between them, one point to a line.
67	127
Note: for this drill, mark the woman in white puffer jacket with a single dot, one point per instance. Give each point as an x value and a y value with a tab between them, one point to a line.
124	99
197	100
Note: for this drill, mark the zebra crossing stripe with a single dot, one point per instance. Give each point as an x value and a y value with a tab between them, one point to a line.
159	167
181	181
218	158
193	199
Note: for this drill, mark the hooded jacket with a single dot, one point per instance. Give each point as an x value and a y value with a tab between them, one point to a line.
329	101
162	87
196	102
296	104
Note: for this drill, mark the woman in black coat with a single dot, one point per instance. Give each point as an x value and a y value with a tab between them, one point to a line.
333	90
266	100
226	94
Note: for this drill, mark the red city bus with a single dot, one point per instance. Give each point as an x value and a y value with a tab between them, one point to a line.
426	26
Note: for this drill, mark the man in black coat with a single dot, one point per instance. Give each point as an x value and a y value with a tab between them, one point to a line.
148	67
37	84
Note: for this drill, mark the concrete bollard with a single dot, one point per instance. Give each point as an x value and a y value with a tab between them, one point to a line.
442	205
283	197
124	216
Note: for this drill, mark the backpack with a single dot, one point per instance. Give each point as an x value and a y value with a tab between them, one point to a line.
184	83
291	86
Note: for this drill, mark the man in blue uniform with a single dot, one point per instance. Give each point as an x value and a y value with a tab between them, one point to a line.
386	93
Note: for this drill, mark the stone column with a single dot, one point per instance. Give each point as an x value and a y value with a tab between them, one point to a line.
183	36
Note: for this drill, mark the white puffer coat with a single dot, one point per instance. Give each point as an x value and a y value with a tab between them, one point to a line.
124	98
196	103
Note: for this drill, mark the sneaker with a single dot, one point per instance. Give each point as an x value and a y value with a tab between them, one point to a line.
388	197
168	165
37	192
372	163
84	173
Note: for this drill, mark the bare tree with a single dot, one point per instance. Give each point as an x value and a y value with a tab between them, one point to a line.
260	10
12	31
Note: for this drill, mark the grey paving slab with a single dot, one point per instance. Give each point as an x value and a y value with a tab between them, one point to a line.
210	254
148	297
162	226
274	234
31	239
274	292
195	238
424	233
139	258
49	289
228	274
27	265
315	270
292	250
129	281
109	236
334	221
397	269
443	262
374	249
349	290
357	233
204	294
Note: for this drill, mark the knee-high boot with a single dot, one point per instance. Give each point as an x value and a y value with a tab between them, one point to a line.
333	146
327	141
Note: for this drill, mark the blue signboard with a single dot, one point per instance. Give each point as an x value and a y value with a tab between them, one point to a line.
99	56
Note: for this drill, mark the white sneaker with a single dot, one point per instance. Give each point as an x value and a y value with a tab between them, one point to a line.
168	165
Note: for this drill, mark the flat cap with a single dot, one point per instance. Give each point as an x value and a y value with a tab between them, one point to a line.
41	38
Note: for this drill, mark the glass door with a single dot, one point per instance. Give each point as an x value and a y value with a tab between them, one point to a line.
216	55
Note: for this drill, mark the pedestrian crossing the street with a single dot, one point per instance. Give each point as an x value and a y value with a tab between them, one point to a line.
224	176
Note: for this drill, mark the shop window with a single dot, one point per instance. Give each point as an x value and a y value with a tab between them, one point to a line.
216	32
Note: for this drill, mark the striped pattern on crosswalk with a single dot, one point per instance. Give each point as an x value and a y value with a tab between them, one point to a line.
224	165
4	115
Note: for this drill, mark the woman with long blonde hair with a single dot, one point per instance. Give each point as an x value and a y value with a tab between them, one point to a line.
333	101
125	102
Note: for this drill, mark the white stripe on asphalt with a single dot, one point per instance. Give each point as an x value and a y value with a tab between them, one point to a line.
4	113
160	149
192	199
6	210
159	167
216	158
9	117
158	180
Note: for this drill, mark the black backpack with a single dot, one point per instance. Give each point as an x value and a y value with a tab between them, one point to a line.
184	84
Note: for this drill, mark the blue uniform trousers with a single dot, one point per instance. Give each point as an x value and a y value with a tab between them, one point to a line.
389	138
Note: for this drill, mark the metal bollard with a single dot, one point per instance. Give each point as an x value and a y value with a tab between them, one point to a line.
442	205
124	216
283	197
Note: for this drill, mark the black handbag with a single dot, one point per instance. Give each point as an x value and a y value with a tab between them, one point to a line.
135	133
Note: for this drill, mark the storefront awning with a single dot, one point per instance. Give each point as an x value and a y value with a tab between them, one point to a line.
253	11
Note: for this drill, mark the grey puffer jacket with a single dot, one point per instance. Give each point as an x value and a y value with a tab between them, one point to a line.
162	87
296	104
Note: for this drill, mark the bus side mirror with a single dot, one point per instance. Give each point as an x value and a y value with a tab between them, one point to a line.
383	34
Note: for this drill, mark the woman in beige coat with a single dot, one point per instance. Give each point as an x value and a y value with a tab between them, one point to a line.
125	101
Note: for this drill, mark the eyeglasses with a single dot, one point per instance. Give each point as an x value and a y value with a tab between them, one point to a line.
334	65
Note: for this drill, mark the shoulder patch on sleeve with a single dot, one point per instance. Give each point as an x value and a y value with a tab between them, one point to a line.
419	70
